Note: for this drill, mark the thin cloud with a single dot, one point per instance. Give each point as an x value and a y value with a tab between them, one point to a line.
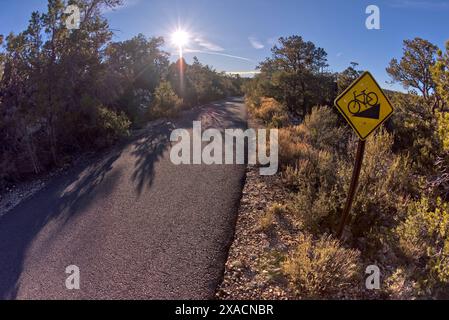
207	44
218	54
256	44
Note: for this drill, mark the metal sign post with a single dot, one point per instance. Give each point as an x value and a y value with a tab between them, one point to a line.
353	187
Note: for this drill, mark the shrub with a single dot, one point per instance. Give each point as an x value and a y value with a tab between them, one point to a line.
323	178
291	177
252	96
414	126
317	212
309	154
255	90
111	126
424	238
439	177
385	183
268	218
320	269
319	131
266	222
291	145
166	102
278	209
323	130
400	285
315	178
271	112
443	129
440	183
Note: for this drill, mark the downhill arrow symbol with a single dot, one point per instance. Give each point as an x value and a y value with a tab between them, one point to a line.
371	113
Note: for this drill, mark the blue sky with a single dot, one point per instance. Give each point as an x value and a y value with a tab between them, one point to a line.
234	35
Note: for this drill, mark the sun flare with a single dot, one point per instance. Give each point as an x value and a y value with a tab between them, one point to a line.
180	38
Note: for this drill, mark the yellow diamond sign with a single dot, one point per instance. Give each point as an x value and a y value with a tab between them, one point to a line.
364	105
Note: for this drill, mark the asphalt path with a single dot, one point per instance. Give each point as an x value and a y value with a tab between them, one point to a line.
136	225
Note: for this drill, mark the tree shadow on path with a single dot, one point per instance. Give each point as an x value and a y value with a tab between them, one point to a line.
63	199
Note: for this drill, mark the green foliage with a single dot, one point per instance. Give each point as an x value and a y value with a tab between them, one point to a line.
294	75
111	126
48	71
385	184
443	129
322	269
414	126
319	130
53	80
271	112
440	74
323	129
405	162
308	153
310	170
166	102
439	183
424	238
321	168
318	200
347	77
199	84
414	68
135	68
254	90
319	171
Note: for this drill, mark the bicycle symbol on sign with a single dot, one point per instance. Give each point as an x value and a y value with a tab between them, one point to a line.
367	100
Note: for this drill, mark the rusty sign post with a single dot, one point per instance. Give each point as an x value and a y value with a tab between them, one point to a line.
365	107
353	187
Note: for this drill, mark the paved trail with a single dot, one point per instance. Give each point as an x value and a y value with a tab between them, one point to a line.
137	226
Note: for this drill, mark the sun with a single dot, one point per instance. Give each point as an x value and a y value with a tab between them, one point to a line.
180	38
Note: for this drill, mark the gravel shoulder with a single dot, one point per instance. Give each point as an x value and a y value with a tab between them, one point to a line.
18	192
252	271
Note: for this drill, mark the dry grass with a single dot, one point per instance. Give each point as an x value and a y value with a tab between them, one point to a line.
269	217
320	269
271	112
